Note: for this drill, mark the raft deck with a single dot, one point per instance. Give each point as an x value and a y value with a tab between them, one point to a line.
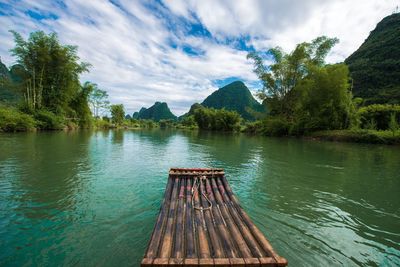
202	223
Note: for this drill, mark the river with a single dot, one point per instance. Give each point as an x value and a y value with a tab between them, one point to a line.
91	198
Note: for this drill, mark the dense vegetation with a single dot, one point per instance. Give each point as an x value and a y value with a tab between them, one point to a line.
375	66
43	91
217	119
235	97
301	94
159	111
301	91
44	85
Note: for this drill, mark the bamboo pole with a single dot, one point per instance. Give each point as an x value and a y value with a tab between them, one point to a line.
166	246
227	242
215	242
262	240
240	242
179	228
246	233
190	241
204	249
158	227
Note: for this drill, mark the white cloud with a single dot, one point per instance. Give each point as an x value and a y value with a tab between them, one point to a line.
129	44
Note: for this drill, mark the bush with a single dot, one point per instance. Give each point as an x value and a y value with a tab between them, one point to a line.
217	119
47	120
12	120
378	115
102	123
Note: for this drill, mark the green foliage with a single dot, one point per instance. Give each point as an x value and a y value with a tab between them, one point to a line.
270	126
234	97
378	114
80	108
359	136
97	98
374	67
103	123
188	121
302	93
393	123
323	100
217	119
117	114
47	120
288	69
12	120
53	72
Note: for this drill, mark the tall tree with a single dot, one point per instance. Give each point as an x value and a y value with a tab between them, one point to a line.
117	113
98	98
53	70
280	77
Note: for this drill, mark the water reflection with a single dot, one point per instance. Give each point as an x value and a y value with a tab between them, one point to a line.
90	198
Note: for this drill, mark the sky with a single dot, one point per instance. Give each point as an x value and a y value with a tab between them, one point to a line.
180	51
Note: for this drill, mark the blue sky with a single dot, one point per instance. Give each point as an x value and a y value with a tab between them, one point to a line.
180	51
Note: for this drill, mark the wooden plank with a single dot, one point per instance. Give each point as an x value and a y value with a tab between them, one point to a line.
160	262
191	262
222	262
206	262
178	262
251	262
237	262
146	262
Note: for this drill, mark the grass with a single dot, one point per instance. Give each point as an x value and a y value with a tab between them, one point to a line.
12	120
358	136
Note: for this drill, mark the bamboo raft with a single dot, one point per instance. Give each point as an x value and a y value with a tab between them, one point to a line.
201	223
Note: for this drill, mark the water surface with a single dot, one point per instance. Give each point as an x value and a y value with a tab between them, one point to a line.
91	198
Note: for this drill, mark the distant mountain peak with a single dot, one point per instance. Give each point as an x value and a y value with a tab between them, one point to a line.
374	66
234	96
158	111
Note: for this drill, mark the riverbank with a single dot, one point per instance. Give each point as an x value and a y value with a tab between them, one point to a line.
12	120
357	136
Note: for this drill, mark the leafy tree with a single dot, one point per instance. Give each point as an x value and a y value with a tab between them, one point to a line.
323	99
117	113
53	71
216	119
98	98
287	70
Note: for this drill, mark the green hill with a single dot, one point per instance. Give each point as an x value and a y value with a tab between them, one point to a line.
375	66
236	97
11	82
159	111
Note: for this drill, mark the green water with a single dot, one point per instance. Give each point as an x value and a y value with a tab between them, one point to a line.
91	198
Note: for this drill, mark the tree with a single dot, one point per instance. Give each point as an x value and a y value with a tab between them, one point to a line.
287	70
53	71
117	113
98	98
323	99
216	119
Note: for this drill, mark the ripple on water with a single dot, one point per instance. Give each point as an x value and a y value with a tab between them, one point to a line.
91	199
